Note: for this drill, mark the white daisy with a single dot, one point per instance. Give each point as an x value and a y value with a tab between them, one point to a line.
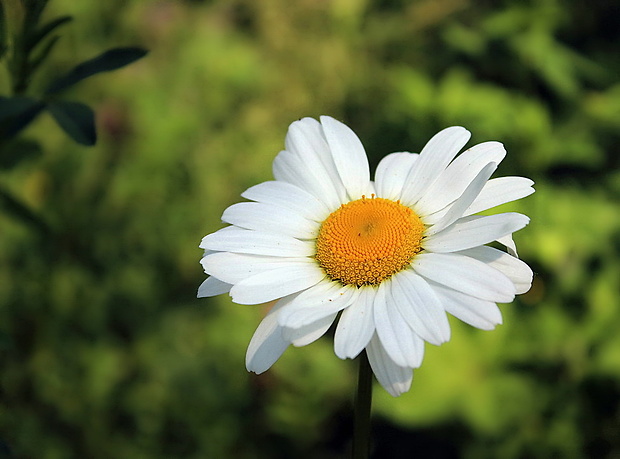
392	256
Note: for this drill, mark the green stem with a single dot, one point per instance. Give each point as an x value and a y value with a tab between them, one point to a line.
363	402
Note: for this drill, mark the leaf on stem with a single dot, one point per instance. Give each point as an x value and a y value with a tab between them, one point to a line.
16	113
38	35
76	119
42	55
110	60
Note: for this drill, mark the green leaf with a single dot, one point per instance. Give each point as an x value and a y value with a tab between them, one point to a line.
17	150
110	60
35	38
16	113
76	119
40	57
34	10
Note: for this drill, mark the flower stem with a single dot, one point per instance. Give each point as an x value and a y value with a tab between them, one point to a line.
363	402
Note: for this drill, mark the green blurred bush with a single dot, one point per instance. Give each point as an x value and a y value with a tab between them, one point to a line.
104	350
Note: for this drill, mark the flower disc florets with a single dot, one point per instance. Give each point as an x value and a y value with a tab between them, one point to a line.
366	241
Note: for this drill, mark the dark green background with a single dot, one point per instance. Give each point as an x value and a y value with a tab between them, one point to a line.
106	353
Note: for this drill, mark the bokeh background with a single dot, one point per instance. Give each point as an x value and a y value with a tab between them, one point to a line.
106	353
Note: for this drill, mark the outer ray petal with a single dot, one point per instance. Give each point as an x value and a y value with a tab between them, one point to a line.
349	156
306	139
267	343
458	207
288	167
394	378
473	231
288	196
403	346
308	333
509	243
466	275
420	307
269	218
356	326
277	283
391	174
213	287
324	299
221	231
434	158
478	313
239	240
234	267
516	270
453	181
500	191
291	168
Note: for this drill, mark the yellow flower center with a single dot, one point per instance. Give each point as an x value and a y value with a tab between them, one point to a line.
366	241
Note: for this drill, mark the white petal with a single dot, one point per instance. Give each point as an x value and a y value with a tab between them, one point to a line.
213	287
453	181
287	167
494	193
308	333
226	229
277	283
349	156
288	196
324	299
456	210
234	267
391	174
465	275
509	243
269	218
356	326
258	243
434	158
516	270
371	189
500	191
472	231
292	168
267	343
403	346
394	378
432	219
420	307
307	140
478	313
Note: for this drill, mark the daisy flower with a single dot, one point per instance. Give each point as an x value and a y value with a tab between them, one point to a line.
391	256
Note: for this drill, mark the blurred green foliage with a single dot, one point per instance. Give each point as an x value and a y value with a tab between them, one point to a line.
26	42
104	350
